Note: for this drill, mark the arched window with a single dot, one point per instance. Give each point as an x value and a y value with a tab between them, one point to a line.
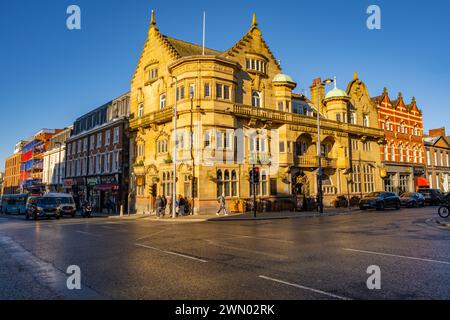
393	152
366	120
400	152
162	101
256	99
141	110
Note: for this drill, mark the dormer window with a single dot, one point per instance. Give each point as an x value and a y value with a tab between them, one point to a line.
253	64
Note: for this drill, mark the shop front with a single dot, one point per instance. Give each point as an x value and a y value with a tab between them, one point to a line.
105	193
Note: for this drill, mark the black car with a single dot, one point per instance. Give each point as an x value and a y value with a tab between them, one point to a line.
42	207
380	201
433	197
412	200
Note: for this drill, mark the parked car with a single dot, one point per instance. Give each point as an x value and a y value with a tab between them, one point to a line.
432	197
42	207
412	200
66	204
380	201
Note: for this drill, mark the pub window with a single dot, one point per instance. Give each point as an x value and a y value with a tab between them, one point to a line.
226	183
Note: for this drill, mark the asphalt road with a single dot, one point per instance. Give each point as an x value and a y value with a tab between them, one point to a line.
307	258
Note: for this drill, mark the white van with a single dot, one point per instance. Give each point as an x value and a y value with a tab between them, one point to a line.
66	204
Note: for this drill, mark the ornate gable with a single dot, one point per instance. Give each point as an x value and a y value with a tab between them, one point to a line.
252	43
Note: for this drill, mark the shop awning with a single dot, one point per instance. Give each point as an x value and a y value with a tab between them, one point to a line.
422	183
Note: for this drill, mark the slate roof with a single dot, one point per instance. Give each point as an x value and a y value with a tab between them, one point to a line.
186	49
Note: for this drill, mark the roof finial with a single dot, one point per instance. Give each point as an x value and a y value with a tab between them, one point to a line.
355	75
400	95
335	82
254	22
385	91
152	21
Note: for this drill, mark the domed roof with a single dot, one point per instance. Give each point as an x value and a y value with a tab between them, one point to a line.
281	77
336	93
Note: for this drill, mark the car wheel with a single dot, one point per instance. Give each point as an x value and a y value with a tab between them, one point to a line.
35	217
398	206
380	206
27	217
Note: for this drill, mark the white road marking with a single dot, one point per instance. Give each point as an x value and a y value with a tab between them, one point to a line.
151	235
171	252
397	256
305	288
277	256
257	238
107	227
86	233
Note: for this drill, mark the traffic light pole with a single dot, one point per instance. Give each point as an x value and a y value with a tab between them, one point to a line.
254	190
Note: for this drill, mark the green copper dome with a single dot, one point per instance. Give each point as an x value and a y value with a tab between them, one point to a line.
336	93
281	77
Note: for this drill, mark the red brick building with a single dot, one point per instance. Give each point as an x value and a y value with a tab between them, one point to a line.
403	155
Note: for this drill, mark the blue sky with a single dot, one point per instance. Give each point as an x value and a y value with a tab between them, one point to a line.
50	75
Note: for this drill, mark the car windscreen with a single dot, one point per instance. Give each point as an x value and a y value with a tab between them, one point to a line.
408	195
45	201
373	195
65	200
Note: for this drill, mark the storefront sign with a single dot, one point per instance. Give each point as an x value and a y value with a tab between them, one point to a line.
68	182
93	181
108	179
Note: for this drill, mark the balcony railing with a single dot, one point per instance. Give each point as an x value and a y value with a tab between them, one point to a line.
299	119
309	161
157	117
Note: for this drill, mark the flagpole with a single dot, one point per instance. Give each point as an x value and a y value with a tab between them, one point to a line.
204	31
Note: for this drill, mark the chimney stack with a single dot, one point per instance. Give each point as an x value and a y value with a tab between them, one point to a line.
440	132
317	88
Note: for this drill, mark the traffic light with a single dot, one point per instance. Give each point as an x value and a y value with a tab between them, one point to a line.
254	175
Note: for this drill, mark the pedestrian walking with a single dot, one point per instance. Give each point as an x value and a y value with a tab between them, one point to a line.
164	204
159	206
181	205
222	205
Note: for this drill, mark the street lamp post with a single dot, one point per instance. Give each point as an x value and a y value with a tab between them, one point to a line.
174	191
59	166
319	151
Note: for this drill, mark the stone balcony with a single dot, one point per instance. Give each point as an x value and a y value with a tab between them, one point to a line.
147	120
311	161
302	120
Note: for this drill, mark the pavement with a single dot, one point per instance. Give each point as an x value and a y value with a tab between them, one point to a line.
239	216
310	258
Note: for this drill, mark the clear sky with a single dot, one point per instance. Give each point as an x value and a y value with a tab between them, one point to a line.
49	75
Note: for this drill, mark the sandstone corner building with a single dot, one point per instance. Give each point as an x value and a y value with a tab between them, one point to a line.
237	108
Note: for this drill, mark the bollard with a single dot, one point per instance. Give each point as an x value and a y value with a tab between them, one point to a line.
121	210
